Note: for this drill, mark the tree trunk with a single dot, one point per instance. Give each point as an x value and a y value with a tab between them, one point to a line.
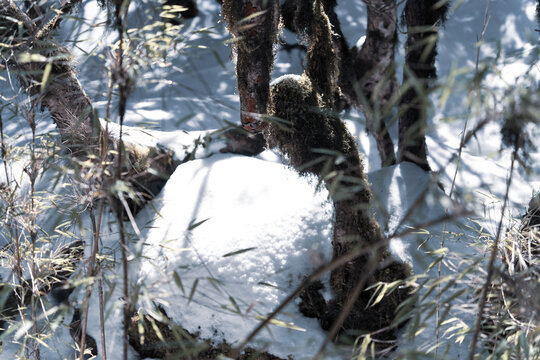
68	104
366	78
254	25
304	102
376	73
422	19
538	13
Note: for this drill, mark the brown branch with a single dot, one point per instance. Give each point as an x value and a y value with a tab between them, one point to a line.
46	30
68	104
375	79
366	77
254	26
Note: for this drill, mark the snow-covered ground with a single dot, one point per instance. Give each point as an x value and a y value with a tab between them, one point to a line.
262	227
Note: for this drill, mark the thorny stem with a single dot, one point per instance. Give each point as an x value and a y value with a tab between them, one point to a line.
458	162
48	28
3	149
101	316
494	251
92	271
92	268
13	229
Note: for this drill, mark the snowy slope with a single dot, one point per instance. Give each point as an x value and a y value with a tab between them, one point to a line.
259	205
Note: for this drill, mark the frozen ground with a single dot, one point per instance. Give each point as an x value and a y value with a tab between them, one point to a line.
280	220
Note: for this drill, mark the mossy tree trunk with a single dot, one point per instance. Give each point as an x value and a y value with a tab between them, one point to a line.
254	25
422	19
366	77
538	13
51	83
305	104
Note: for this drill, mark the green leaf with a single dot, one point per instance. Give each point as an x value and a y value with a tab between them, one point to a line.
364	348
236	307
28	57
214	283
280	323
267	284
387	288
252	16
219	60
45	78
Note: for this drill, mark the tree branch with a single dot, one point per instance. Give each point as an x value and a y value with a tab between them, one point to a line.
254	25
51	82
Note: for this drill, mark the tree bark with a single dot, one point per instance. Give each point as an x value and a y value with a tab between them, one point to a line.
355	229
254	25
538	13
69	106
304	102
366	77
422	19
376	73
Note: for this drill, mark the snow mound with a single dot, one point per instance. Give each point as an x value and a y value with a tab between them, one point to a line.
240	233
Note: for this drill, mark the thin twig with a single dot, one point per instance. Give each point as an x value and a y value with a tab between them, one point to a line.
120	20
3	150
96	226
31	171
101	316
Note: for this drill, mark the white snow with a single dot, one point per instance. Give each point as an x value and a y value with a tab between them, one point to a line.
257	228
285	234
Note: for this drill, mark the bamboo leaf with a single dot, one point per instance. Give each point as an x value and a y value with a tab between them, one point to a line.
236	307
219	60
241	251
193	289
45	78
178	281
193	224
280	323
